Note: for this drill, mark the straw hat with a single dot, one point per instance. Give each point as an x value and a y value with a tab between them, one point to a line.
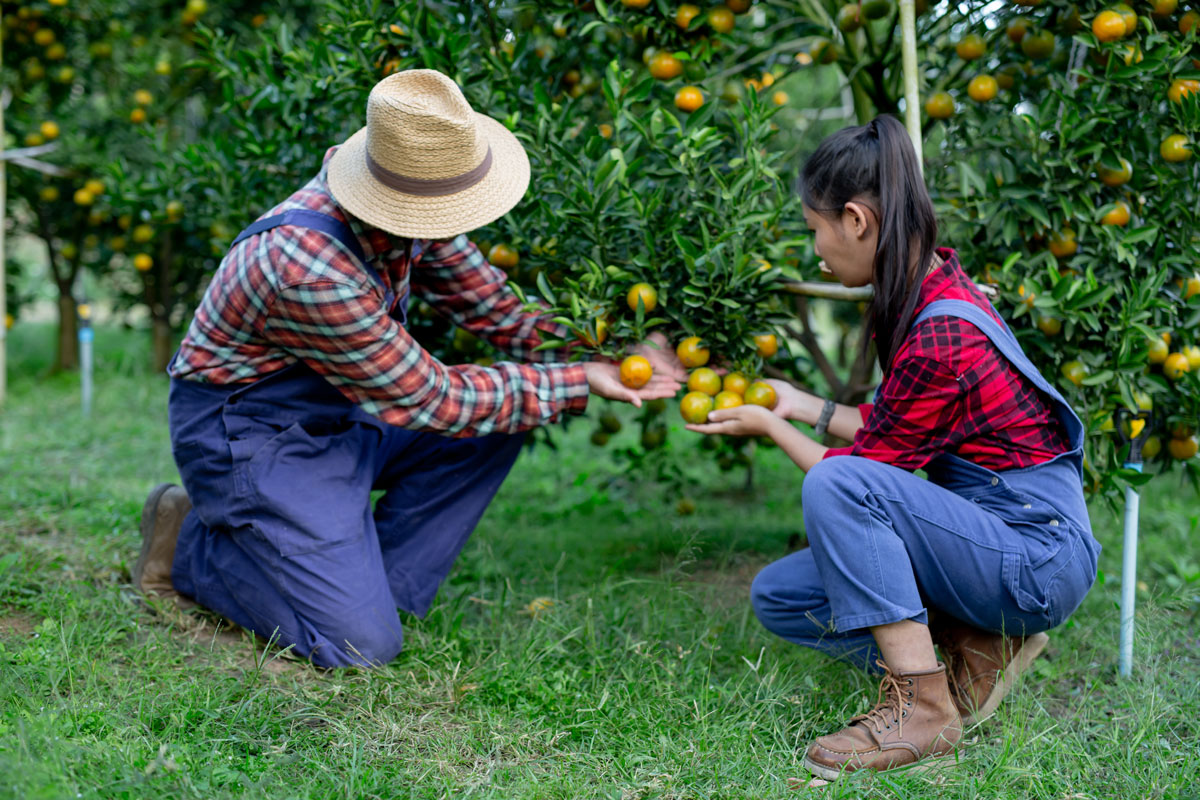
426	166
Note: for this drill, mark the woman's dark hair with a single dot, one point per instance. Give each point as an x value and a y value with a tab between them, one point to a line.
875	164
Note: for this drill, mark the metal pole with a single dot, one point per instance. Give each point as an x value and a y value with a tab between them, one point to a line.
1129	576
912	84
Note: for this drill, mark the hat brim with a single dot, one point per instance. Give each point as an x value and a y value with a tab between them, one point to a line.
421	217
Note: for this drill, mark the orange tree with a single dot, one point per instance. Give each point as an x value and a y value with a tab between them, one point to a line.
1068	181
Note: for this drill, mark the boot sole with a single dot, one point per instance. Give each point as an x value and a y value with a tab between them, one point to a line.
928	763
1031	649
149	514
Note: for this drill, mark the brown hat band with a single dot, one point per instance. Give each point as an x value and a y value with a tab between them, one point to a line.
436	187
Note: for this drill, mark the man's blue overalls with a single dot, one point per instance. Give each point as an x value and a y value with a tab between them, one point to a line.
282	539
1008	551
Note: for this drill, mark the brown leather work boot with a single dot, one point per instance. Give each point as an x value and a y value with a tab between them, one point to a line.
162	517
983	666
915	720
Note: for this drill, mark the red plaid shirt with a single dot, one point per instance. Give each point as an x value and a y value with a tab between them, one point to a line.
293	294
952	391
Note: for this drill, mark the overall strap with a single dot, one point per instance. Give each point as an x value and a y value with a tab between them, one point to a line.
332	226
999	334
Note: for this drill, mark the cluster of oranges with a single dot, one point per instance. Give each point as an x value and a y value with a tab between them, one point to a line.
1174	364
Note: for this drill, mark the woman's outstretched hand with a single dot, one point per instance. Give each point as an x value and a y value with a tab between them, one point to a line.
744	420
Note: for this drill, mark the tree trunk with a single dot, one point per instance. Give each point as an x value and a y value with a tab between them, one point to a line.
68	332
161	340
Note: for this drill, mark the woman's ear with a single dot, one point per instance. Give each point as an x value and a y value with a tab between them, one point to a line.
858	219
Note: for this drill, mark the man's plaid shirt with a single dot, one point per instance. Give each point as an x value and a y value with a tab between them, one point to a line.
951	391
293	294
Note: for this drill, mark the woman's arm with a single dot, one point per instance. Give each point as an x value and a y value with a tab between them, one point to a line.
802	406
758	421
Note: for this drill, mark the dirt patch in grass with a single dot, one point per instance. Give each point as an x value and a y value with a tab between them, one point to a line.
16	624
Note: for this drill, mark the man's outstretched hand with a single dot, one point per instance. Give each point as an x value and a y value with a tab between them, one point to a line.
604	380
662	358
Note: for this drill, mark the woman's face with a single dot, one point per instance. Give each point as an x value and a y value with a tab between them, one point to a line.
846	244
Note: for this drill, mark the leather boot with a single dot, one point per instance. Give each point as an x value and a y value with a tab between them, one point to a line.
162	517
914	720
983	666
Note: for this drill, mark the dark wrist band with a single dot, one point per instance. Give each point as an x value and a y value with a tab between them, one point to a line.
826	415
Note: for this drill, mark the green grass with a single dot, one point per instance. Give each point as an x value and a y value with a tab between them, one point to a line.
648	677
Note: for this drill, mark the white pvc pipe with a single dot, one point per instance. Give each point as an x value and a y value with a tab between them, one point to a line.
1129	577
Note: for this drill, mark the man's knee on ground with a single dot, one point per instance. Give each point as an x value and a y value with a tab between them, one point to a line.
359	644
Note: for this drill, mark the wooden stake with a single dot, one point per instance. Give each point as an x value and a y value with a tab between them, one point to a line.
912	87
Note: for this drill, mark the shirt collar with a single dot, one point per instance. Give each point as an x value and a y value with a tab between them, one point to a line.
377	243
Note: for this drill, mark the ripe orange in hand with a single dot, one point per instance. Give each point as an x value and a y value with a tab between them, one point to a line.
695	407
982	88
761	394
503	256
691	354
704	380
688	99
636	371
766	344
644	292
735	382
1118	215
728	400
1108	26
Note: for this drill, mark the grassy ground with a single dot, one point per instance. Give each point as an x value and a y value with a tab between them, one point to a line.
648	676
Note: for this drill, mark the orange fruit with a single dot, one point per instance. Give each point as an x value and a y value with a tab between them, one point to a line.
49	129
503	256
1192	354
940	106
704	380
685	14
695	407
727	400
779	98
665	66
635	3
143	233
1175	366
982	88
721	19
1051	326
601	334
735	382
174	211
1038	45
1115	176
688	99
970	47
1128	15
1017	28
117	244
825	51
1164	8
739	6
84	198
48	194
761	394
1191	287
1180	88
636	371
142	97
1151	447
1062	243
849	18
766	344
1108	26
1157	350
1074	371
95	186
142	262
1175	148
1183	449
605	130
137	116
1188	21
691	354
1119	215
645	293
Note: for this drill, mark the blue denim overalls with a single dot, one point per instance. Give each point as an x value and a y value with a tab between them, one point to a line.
282	538
1008	551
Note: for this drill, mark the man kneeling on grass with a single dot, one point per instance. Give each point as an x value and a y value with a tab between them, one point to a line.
297	390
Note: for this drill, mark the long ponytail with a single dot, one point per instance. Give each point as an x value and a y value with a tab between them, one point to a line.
877	165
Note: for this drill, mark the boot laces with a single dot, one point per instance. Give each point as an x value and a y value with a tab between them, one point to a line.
888	703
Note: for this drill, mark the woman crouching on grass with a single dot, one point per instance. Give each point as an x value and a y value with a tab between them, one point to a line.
981	558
